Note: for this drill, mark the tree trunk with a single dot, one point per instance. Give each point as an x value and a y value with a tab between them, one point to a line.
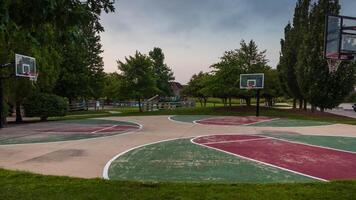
300	104
322	109
248	101
18	113
313	108
305	104
139	105
205	100
201	102
294	103
44	119
230	105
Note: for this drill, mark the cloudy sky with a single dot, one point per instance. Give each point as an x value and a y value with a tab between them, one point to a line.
195	33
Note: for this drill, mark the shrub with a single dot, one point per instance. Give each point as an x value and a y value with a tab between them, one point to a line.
351	98
45	105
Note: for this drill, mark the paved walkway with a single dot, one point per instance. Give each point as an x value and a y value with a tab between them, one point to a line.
87	158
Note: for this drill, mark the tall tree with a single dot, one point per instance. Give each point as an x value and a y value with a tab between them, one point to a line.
247	59
138	77
198	87
163	74
327	90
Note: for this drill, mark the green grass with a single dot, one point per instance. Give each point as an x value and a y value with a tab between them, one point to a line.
217	111
21	185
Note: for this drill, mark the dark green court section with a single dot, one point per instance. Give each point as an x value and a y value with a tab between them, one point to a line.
60	131
342	143
290	123
272	123
182	161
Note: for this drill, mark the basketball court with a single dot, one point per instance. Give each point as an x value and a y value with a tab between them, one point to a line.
64	131
261	121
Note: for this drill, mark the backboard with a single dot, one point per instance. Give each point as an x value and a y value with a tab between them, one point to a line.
340	38
252	81
25	66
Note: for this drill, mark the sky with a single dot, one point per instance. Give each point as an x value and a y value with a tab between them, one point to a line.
194	34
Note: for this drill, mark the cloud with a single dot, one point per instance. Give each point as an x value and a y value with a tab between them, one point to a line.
195	33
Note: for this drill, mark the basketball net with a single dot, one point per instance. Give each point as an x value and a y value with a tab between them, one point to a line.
250	87
33	78
333	65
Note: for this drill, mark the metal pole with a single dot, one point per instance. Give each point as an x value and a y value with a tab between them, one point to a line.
258	103
1	105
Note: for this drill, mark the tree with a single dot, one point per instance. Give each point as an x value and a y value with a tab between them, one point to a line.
287	65
246	59
326	89
197	87
138	77
48	30
112	86
163	74
272	87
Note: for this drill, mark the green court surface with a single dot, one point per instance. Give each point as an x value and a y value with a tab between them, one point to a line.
290	123
272	123
64	131
342	143
182	161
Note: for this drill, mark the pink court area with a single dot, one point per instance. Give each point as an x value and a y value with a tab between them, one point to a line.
313	161
233	120
97	129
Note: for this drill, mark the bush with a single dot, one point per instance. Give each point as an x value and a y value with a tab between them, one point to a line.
45	105
351	98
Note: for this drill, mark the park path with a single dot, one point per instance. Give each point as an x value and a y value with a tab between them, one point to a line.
87	158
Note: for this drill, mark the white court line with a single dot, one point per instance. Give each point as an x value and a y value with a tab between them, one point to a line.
176	121
236	124
232	141
140	127
312	145
261	162
104	129
107	165
267	120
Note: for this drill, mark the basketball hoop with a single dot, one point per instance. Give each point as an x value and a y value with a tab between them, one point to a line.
333	65
33	78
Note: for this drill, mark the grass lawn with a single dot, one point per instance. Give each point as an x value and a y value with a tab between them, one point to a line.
21	185
217	111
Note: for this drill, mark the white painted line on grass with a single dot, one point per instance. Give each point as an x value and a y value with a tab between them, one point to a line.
261	162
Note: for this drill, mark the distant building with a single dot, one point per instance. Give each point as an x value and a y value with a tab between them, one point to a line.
177	90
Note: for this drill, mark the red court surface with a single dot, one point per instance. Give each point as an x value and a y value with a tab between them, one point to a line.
97	129
316	162
233	120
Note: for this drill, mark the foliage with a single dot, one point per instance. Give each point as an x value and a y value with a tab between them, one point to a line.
197	87
45	105
163	74
63	37
302	66
138	81
112	85
223	82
